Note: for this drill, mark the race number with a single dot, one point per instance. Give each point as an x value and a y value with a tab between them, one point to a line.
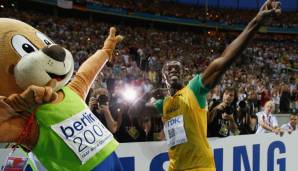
84	134
174	131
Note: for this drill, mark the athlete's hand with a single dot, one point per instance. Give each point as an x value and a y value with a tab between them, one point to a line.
270	8
111	42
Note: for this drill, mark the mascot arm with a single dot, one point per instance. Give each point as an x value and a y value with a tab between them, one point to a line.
14	114
11	123
87	73
6	111
93	65
11	129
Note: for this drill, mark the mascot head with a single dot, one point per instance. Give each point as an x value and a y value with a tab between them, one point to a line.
29	57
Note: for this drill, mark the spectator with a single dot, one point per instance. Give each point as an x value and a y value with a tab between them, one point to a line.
99	105
221	117
146	123
249	127
242	117
267	122
265	96
285	99
291	125
253	124
129	129
252	102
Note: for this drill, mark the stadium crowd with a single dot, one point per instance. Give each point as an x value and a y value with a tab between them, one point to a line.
270	72
207	13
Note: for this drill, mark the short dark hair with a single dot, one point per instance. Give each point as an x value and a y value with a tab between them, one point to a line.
168	62
230	89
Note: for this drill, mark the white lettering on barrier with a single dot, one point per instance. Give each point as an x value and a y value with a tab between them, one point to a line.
238	153
235	153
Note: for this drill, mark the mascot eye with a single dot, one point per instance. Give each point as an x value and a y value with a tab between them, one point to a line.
27	48
22	45
47	41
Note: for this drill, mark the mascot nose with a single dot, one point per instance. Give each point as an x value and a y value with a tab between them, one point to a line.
55	52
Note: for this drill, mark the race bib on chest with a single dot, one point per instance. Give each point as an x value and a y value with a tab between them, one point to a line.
84	134
174	131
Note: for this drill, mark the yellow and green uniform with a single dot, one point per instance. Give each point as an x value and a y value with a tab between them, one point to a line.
190	102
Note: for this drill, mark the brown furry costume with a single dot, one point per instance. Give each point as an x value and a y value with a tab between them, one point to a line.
20	93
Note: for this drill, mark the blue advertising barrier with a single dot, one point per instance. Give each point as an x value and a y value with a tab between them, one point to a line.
263	152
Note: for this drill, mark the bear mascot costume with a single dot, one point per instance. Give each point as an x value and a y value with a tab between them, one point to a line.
42	104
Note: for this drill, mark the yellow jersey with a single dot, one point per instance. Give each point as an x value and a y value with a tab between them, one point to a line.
190	102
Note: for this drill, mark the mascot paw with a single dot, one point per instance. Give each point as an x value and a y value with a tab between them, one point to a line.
111	41
35	95
32	97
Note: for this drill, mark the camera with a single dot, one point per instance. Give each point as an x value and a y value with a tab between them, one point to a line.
242	104
229	110
102	100
243	110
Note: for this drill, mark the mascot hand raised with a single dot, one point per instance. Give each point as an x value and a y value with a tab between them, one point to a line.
35	81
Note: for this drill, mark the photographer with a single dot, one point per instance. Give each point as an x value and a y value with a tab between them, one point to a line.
99	105
246	122
221	117
138	129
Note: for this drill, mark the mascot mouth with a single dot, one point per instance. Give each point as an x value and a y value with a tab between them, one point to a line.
57	77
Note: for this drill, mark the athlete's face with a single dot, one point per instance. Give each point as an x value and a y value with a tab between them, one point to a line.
173	73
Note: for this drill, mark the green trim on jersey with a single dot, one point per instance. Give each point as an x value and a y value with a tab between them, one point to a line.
159	104
199	90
